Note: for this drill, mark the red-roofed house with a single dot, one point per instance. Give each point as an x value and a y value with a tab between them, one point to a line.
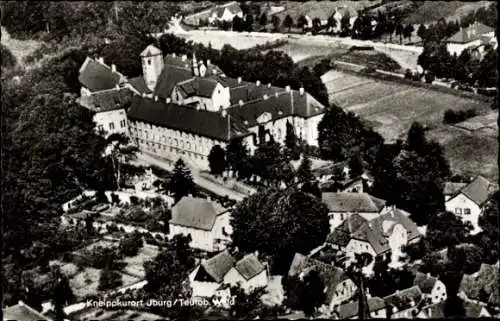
468	202
207	222
470	37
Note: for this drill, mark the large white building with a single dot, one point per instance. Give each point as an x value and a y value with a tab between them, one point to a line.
183	107
473	36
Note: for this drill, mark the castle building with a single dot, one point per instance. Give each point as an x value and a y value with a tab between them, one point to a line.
183	107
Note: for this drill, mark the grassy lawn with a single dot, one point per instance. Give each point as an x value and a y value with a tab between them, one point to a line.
217	39
432	11
391	108
370	58
135	265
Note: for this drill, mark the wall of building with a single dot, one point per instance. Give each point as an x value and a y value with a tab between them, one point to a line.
233	277
222	231
172	144
200	239
438	293
458	206
220	98
343	292
151	69
112	122
459	47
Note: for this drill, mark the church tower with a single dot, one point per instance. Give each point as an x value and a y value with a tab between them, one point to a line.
152	65
196	71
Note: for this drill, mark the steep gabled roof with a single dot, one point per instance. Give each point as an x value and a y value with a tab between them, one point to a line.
249	266
139	84
485	281
285	105
451	188
473	309
352	202
197	213
478	190
108	100
403	299
150	51
185	118
373	237
21	311
342	234
218	265
96	77
198	87
424	282
249	91
395	216
169	77
330	274
351	309
471	33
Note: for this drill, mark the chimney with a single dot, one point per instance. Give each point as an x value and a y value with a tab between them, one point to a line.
240	102
224	113
117	87
269	85
245	122
276	94
143	95
214	71
428	275
280	112
156	98
257	82
101	60
265	96
209	62
287	88
113	67
169	100
239	80
301	91
174	55
184	57
412	303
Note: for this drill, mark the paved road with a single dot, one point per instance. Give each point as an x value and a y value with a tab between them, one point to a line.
145	159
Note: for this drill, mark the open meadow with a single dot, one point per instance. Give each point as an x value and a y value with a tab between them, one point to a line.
431	11
391	108
239	40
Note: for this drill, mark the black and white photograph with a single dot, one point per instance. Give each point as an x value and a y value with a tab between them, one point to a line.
243	160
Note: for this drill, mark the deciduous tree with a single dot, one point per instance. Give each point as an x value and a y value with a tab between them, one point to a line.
217	160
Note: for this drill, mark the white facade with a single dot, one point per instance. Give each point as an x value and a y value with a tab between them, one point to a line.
465	209
226	16
357	247
397	239
459	47
344	291
233	277
438	293
202	289
210	241
112	122
151	69
220	99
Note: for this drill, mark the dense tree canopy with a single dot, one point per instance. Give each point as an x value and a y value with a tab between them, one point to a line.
279	223
8	59
181	183
217	160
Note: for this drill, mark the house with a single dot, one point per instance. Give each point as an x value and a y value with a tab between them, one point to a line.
475	310
352	185
382	236
22	311
206	221
225	12
481	286
248	272
323	14
182	108
110	109
451	189
431	287
472	36
404	303
468	202
95	75
350	310
212	276
338	287
343	204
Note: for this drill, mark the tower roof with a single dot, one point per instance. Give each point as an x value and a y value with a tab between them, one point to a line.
150	51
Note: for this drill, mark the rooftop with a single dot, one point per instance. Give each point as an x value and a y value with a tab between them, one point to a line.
404	299
471	33
108	100
185	118
22	311
425	282
351	309
478	190
96	76
249	266
352	202
218	265
197	213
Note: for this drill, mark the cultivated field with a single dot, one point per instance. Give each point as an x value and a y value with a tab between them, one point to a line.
471	152
391	108
432	11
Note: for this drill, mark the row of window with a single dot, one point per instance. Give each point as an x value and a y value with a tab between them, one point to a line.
466	211
123	124
153	146
169	132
